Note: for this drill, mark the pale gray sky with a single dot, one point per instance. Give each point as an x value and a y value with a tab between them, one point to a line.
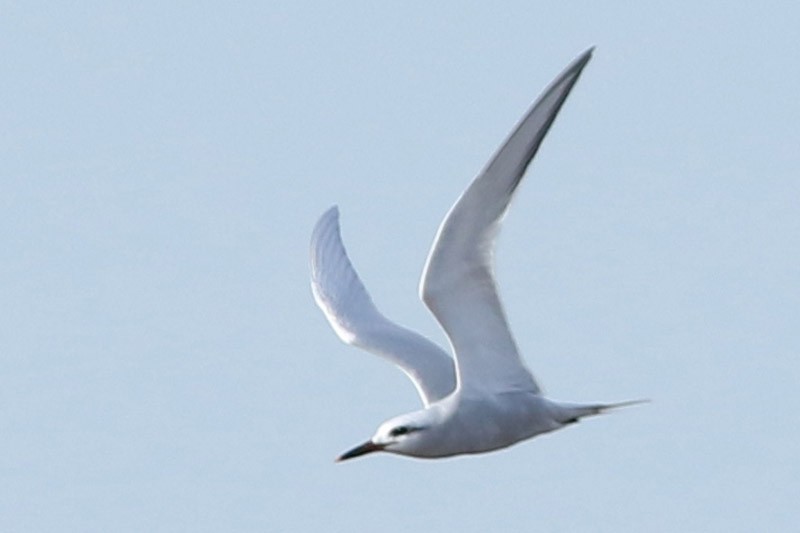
164	367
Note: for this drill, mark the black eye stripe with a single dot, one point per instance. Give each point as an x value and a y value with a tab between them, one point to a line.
400	430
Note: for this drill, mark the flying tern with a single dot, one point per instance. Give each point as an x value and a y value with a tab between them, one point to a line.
486	398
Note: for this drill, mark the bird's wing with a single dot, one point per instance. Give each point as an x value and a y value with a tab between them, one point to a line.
458	283
348	307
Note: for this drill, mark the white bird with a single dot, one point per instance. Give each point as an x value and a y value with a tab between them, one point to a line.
486	399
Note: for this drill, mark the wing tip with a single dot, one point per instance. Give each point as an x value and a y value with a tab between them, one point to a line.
325	230
332	211
329	219
331	215
578	63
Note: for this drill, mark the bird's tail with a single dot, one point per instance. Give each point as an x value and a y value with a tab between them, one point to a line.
573	412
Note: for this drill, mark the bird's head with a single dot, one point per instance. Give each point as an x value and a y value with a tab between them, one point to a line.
404	435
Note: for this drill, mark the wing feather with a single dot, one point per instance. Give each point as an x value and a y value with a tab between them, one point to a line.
353	316
458	283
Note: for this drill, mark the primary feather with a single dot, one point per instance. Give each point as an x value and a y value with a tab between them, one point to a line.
458	284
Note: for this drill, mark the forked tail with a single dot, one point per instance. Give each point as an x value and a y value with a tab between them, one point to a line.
573	412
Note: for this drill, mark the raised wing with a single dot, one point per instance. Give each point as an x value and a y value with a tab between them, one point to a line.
348	307
458	283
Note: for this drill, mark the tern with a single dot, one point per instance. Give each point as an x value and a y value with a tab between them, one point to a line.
486	398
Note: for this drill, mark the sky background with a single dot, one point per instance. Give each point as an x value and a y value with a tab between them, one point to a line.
163	366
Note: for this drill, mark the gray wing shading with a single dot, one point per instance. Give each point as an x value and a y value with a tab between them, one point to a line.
353	316
458	283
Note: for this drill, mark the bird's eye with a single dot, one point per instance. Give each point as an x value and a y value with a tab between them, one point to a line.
399	430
